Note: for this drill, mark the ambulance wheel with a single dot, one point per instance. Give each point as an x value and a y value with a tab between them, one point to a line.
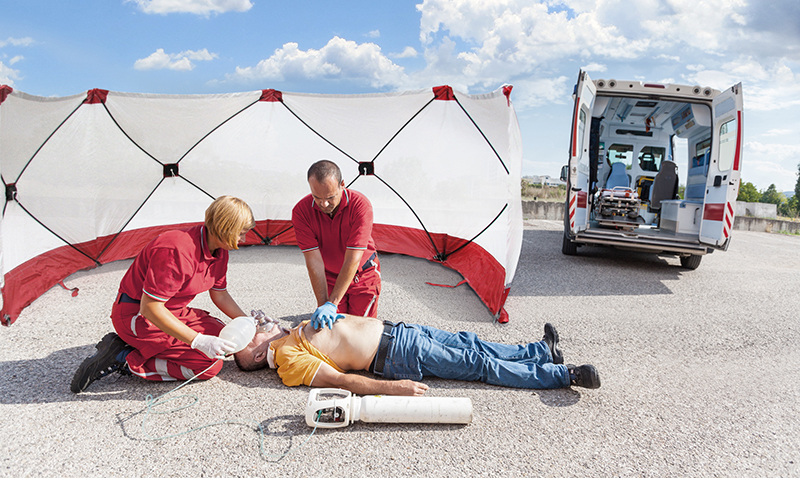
568	248
691	262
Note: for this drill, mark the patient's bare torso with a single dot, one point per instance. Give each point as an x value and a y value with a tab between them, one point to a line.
351	344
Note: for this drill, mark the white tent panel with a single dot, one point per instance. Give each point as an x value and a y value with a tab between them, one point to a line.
360	125
24	238
30	120
88	179
167	126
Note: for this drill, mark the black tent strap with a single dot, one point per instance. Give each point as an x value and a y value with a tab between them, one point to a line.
433	244
214	129
128	136
444	256
484	136
129	219
54	233
46	140
402	128
317	133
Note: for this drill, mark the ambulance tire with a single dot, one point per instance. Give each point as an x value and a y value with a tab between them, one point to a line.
691	262
568	248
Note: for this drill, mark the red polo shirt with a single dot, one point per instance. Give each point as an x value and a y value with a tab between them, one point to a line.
349	228
175	267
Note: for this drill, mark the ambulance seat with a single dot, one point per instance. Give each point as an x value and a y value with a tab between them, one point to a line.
618	177
665	186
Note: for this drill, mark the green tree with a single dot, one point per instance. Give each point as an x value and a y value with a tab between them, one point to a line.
797	184
772	196
748	193
791	208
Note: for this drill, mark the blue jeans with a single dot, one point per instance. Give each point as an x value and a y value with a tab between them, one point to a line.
416	351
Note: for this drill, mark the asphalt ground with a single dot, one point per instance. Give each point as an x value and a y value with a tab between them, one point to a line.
700	372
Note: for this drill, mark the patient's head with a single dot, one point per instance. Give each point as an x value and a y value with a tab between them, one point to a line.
254	356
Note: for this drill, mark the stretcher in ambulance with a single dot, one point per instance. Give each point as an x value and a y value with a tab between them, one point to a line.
629	142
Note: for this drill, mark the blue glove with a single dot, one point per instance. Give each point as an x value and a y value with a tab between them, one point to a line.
325	315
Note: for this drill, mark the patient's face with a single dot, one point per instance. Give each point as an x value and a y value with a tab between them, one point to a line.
261	341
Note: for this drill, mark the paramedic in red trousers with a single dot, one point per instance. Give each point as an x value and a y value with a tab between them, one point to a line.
160	337
333	227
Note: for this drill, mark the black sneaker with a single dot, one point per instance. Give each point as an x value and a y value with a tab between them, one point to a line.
102	363
551	339
584	376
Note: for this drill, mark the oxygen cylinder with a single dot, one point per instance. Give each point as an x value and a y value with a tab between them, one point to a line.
392	409
240	331
336	408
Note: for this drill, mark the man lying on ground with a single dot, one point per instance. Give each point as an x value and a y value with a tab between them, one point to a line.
406	353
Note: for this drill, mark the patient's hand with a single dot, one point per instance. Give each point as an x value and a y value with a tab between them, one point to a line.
410	388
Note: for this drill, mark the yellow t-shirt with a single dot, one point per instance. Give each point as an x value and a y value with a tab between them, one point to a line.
296	359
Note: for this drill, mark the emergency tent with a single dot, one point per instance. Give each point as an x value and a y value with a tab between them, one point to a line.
91	178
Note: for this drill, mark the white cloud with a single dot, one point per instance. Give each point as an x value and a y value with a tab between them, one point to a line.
537	92
8	75
197	7
767	84
594	67
778	132
339	59
374	34
408	52
16	59
27	41
173	61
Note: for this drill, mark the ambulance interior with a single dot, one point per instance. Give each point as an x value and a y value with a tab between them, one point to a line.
634	171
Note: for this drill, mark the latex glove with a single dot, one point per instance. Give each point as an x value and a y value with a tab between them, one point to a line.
325	315
213	347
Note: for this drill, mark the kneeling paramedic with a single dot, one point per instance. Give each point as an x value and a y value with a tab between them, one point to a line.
158	336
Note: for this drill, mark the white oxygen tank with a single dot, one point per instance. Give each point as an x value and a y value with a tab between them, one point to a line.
240	331
337	408
392	409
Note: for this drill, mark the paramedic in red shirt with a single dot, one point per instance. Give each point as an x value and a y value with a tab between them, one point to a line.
160	337
333	227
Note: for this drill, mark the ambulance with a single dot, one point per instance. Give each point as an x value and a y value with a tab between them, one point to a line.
628	144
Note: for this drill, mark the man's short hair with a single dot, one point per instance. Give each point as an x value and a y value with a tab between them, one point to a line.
324	169
227	217
249	365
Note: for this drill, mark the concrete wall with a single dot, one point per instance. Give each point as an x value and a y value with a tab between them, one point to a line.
756	209
554	211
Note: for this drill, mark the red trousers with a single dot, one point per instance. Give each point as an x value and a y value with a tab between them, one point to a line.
361	297
158	356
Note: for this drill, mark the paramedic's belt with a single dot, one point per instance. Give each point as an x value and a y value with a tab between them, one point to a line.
370	262
383	349
126	299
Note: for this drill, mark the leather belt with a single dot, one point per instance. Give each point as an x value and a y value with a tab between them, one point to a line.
383	349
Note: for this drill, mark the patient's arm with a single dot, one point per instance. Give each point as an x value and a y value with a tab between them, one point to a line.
328	376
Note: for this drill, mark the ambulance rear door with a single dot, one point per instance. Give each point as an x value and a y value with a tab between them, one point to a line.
578	182
722	184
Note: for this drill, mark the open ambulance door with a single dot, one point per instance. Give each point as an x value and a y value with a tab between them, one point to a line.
577	213
722	185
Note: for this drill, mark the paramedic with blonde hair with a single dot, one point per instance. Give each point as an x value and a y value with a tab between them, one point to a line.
158	337
333	227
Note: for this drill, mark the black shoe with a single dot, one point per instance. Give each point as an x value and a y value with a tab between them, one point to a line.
102	363
551	339
584	376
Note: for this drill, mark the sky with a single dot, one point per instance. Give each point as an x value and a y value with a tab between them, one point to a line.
59	48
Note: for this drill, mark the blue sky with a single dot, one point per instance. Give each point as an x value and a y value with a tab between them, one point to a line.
56	48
